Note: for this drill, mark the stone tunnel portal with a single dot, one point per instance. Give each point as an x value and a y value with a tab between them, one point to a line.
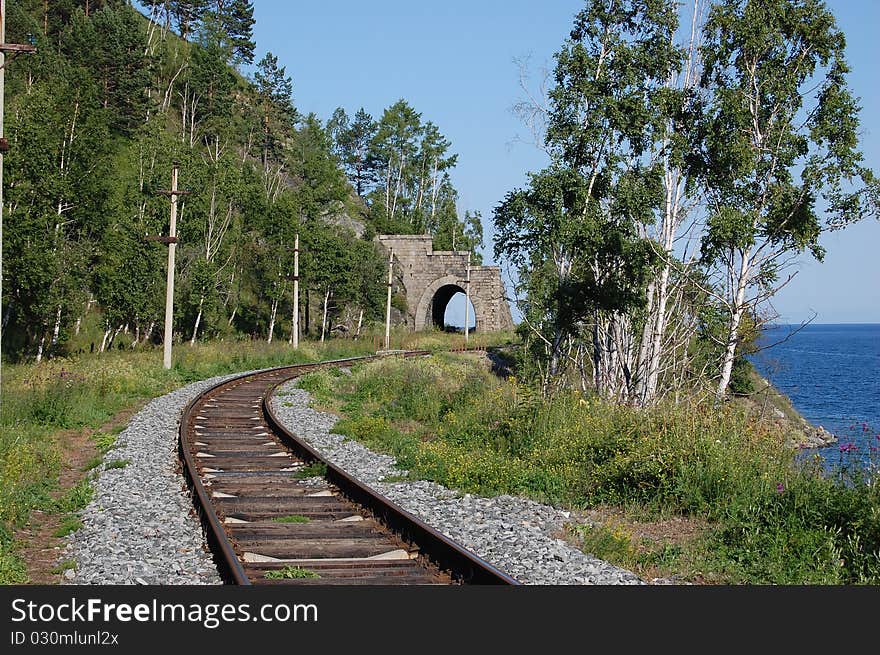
431	278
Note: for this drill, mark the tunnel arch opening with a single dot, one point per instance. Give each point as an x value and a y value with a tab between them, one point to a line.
447	309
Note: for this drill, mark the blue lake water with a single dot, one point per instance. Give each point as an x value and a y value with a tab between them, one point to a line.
831	373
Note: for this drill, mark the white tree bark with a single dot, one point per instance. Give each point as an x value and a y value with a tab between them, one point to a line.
198	320
736	313
324	321
104	340
272	320
57	329
357	332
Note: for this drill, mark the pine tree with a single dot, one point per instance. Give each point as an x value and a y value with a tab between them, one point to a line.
235	19
275	91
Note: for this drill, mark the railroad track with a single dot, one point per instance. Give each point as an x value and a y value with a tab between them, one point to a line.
275	512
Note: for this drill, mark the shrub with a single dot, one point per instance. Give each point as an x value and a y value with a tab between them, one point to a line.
742	380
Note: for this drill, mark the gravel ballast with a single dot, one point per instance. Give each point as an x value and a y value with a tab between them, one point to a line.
140	527
514	534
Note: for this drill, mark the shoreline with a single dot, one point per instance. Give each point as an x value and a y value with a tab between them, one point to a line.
773	405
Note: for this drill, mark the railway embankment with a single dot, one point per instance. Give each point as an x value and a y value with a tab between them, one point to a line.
139	527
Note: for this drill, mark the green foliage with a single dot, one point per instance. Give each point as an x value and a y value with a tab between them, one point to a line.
742	381
576	234
69	524
776	146
400	167
64	566
97	116
319	382
398	301
352	141
608	543
291	573
293	518
12	568
104	441
313	470
76	498
93	463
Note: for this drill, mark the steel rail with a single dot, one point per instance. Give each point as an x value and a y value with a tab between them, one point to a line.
462	565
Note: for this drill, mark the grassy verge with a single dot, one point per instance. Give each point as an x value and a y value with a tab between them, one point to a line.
760	518
42	403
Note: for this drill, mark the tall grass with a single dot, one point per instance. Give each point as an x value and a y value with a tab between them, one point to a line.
449	420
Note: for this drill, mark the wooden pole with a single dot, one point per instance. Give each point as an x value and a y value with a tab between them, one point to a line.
2	93
467	301
388	303
294	336
169	284
13	49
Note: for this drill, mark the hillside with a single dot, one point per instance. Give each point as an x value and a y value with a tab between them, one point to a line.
95	119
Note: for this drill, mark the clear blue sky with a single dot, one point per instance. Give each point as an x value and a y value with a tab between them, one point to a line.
453	61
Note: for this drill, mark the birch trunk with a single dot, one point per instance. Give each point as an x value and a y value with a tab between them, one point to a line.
104	340
113	337
198	320
57	329
357	333
658	331
736	314
272	320
324	321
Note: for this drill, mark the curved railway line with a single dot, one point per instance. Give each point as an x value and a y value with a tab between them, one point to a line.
270	520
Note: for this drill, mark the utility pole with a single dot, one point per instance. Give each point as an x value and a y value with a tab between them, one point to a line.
14	49
294	334
467	300
169	283
388	303
171	241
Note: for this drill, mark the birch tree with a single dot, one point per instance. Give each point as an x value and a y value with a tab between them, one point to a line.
780	154
605	122
658	347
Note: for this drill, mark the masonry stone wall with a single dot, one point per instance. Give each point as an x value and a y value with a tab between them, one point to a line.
431	277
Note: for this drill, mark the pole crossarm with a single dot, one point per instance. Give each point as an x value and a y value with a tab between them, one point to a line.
17	48
14	49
